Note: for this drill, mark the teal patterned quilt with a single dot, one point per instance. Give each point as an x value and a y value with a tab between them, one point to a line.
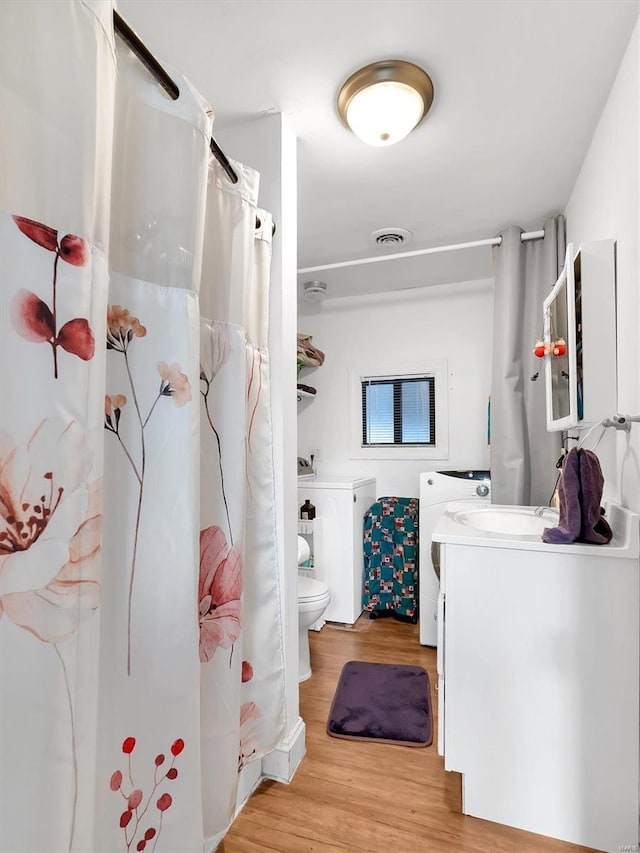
391	558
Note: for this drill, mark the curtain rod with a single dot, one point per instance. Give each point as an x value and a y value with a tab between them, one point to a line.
129	37
491	241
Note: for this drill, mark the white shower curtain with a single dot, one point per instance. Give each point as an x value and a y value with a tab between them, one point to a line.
56	154
137	677
240	627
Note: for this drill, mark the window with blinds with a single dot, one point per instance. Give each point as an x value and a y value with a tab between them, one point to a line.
398	411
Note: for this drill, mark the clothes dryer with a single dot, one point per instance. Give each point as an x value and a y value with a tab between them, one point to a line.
437	489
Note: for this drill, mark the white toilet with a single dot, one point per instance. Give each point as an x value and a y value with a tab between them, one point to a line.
313	600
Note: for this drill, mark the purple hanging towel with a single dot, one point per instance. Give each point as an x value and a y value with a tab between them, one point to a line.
593	527
580	493
568	529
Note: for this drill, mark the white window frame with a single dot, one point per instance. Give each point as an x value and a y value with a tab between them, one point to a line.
433	367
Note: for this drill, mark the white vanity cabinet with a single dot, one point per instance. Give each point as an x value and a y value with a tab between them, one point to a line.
538	671
341	503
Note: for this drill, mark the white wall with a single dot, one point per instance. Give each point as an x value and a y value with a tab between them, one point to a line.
604	204
452	322
268	145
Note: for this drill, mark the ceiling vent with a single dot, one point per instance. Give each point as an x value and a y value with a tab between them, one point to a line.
314	291
390	238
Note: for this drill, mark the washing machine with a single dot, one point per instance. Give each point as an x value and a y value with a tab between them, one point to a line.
437	489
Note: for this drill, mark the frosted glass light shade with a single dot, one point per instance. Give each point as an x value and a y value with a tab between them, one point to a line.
383	102
384	113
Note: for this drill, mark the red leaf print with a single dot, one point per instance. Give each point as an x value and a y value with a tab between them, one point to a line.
172	773
247	671
159	760
141	845
73	250
164	802
116	781
177	746
76	337
135	798
128	745
149	834
39	233
31	317
125	817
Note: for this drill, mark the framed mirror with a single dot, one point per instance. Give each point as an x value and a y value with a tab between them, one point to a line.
580	339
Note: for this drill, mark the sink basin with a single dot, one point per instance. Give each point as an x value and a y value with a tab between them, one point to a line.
520	528
511	521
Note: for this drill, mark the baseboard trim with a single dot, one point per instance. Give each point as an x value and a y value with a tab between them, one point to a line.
249	779
282	763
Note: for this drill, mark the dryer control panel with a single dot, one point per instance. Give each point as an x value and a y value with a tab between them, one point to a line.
455	485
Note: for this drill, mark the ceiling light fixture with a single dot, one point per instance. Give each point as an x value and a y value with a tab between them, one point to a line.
382	102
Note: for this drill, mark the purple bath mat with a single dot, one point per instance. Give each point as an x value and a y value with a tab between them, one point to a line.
385	702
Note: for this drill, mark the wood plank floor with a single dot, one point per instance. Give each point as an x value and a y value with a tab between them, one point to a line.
348	797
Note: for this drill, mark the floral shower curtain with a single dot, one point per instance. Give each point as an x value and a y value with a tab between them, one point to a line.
130	669
239	590
56	155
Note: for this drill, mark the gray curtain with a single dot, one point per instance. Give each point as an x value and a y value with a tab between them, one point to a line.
523	453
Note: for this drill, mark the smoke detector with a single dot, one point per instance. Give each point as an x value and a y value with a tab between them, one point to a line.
314	291
390	238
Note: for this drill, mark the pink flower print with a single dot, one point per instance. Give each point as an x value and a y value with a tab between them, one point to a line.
32	318
220	589
122	328
215	348
52	613
50	529
249	713
174	383
113	404
35	478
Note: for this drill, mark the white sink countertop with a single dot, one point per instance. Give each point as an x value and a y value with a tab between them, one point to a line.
520	528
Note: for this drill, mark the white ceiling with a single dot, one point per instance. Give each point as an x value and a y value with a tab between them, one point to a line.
519	87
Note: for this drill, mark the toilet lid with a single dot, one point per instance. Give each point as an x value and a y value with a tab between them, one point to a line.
309	588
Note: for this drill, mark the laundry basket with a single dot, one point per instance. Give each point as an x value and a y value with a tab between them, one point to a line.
391	559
